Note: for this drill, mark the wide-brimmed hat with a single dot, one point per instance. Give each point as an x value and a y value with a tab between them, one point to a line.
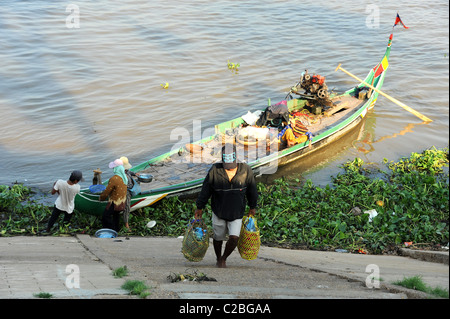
229	156
126	163
116	162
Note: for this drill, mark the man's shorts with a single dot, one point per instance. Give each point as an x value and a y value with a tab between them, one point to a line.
223	227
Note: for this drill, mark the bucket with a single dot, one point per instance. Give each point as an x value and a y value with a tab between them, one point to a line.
97	189
145	178
106	233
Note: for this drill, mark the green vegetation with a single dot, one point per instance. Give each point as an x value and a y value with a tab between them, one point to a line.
44	295
411	201
411	197
21	216
136	287
417	283
18	215
120	272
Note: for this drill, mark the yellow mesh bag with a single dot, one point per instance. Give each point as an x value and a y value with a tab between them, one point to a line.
192	248
249	241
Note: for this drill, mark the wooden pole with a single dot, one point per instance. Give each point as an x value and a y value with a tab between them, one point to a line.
406	107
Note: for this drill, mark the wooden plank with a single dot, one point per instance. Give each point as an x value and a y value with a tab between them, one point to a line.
336	108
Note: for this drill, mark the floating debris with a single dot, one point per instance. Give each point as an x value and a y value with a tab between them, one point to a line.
194	276
233	66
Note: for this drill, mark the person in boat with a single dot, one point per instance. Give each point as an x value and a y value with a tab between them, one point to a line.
229	184
116	192
294	133
274	113
65	203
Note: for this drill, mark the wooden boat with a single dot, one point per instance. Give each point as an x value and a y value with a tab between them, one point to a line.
183	169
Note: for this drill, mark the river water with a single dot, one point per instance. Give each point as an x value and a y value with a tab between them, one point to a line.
80	81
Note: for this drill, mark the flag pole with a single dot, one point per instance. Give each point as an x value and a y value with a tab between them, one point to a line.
379	65
406	107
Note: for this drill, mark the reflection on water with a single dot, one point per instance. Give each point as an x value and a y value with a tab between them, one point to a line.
357	143
365	141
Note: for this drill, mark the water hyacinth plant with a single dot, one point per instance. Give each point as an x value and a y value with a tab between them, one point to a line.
233	66
410	197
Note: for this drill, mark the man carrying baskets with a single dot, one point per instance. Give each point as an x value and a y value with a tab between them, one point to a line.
229	184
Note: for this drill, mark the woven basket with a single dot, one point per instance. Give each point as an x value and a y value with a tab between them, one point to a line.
249	241
192	248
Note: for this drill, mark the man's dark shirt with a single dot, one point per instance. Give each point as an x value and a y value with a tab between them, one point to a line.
228	199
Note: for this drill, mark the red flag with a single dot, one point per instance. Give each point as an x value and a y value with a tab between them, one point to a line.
398	20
